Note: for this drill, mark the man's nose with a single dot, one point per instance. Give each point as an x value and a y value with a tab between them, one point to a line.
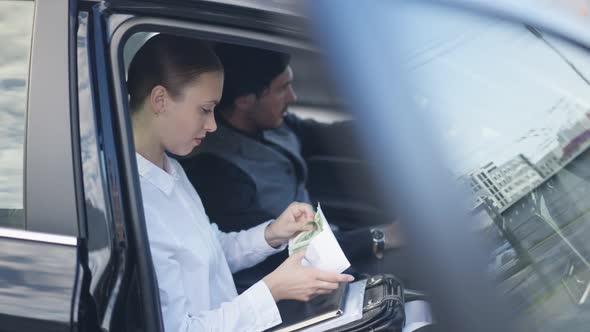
292	95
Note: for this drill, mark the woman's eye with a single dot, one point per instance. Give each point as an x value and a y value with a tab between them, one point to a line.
206	110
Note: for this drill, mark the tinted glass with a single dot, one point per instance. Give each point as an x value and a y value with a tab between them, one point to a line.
16	23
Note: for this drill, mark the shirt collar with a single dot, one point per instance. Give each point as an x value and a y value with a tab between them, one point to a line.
162	179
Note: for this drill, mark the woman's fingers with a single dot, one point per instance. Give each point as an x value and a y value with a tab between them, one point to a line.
297	257
304	226
302	211
303	215
323	291
308	211
327	286
334	277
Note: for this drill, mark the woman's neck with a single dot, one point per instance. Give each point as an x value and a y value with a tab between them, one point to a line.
146	143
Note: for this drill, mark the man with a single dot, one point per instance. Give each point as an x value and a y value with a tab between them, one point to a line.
253	166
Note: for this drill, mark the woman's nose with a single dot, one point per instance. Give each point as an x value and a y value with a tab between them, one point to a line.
210	125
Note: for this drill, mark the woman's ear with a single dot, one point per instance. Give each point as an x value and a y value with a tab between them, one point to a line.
158	99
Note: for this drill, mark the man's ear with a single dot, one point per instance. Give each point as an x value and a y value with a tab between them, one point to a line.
245	101
158	99
265	91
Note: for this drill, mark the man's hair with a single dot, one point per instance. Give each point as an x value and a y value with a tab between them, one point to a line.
171	61
247	70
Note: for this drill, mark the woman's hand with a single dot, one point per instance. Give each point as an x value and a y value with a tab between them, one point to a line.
292	221
293	281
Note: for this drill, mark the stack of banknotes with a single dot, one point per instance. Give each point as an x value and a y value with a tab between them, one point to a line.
321	247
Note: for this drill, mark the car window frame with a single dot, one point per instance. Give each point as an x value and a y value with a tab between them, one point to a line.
121	27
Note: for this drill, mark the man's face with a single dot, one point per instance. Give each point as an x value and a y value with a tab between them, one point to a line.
271	106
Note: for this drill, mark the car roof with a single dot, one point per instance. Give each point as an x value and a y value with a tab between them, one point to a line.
280	17
291	7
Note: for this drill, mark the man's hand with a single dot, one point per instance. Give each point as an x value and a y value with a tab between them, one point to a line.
292	221
293	281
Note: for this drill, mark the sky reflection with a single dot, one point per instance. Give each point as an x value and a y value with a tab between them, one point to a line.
16	22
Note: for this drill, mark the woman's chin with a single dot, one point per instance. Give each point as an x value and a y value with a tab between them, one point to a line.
183	152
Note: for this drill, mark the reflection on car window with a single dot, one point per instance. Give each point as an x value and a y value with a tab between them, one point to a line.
513	106
16	23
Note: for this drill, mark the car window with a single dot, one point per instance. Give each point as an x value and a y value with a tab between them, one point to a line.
316	98
512	105
16	23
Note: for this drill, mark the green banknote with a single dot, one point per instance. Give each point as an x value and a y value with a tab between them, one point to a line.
302	240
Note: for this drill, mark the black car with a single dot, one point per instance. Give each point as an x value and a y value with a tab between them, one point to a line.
490	96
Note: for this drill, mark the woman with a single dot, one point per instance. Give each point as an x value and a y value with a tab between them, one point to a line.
174	85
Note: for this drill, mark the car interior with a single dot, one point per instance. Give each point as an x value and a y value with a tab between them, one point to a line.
334	179
335	176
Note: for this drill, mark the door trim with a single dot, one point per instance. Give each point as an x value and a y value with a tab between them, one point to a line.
12	233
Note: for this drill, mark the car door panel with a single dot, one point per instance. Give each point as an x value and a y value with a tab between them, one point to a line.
36	281
39	263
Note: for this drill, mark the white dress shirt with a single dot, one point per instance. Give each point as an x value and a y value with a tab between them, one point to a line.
194	260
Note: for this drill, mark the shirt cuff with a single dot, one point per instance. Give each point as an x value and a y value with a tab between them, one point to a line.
266	310
258	233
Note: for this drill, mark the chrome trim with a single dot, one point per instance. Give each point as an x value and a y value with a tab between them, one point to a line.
38	237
